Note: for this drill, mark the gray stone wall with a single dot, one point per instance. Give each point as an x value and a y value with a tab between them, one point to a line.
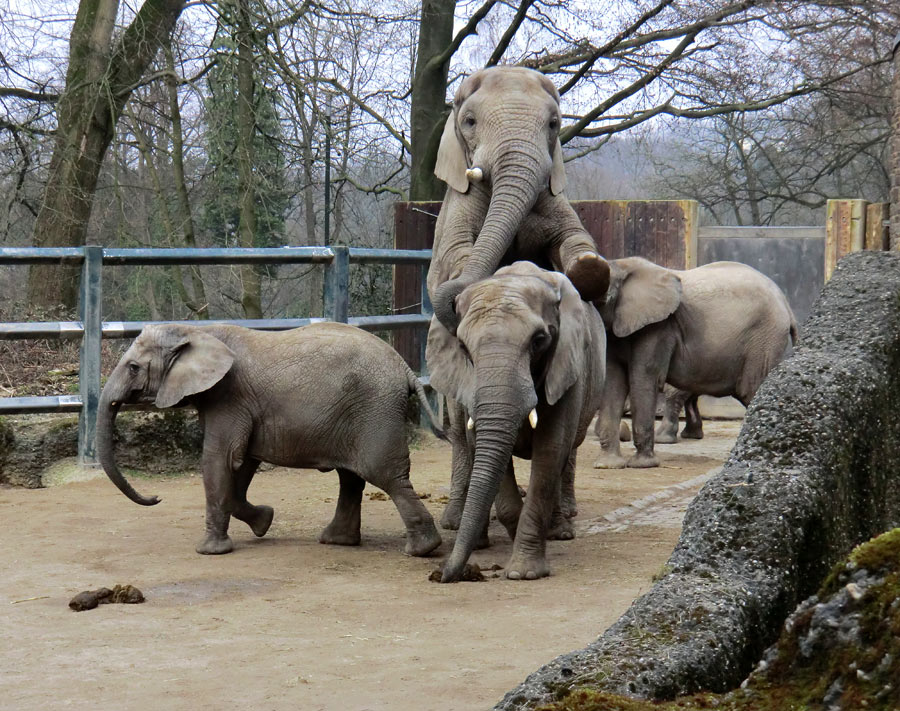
815	470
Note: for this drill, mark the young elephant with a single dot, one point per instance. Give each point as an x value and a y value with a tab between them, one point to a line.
527	366
715	330
325	396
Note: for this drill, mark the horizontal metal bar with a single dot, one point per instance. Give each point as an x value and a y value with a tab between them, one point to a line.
362	255
389	323
47	403
130	329
261	255
41	255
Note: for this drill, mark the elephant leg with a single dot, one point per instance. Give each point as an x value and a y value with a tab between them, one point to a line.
461	465
508	502
609	417
218	484
529	555
422	536
576	253
693	423
259	518
565	509
667	432
649	361
344	527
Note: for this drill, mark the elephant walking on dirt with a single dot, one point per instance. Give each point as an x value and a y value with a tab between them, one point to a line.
324	396
527	368
715	330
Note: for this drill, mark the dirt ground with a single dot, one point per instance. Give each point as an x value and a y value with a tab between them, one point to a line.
286	623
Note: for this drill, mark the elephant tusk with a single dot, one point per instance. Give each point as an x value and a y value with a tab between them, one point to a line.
475	174
470	425
532	418
114	403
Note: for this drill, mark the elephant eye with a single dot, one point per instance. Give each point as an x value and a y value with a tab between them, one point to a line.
540	342
554	123
469	121
465	351
134	368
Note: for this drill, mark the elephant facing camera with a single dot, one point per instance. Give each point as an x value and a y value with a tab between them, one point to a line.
324	396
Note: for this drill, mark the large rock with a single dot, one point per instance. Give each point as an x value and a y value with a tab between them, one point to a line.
812	474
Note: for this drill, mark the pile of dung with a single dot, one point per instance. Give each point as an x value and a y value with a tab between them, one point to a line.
839	651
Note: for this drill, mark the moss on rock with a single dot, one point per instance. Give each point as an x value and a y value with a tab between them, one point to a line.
839	649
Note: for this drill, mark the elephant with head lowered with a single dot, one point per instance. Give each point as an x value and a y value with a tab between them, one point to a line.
502	161
526	366
713	330
324	396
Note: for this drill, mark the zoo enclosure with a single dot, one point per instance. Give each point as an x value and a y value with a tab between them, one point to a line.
92	329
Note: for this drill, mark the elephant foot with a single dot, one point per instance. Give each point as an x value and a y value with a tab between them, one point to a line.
525	568
691	434
665	437
215	545
643	461
420	544
609	461
561	530
589	274
451	517
261	520
624	432
568	508
336	536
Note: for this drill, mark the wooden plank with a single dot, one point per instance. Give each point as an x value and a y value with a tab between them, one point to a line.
690	225
413	229
878	235
844	231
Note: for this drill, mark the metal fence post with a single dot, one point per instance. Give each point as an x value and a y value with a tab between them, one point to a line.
89	374
434	398
337	286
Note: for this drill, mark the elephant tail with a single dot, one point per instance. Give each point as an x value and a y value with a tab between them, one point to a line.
795	331
415	386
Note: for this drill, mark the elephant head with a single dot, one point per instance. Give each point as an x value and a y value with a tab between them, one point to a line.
503	131
640	293
164	365
521	343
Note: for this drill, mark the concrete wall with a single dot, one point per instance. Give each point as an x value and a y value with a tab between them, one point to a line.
814	472
792	257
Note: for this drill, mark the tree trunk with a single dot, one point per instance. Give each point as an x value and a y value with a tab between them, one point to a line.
100	78
197	303
429	97
251	292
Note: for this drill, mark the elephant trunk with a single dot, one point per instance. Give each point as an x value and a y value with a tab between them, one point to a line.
110	400
517	178
495	437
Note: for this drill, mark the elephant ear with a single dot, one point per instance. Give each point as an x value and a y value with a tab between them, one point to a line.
557	171
199	361
647	294
451	371
568	361
450	165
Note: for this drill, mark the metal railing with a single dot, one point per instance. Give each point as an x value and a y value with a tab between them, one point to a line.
92	329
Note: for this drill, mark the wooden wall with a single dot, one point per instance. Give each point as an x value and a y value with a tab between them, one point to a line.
663	231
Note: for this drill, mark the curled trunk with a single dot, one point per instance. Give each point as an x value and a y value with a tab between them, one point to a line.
495	436
110	401
516	182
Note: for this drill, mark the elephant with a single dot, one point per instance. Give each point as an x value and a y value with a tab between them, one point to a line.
715	330
527	365
502	161
325	396
675	400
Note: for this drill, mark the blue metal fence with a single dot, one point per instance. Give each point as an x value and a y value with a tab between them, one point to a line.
92	329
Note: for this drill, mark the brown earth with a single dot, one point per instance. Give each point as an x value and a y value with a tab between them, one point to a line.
286	623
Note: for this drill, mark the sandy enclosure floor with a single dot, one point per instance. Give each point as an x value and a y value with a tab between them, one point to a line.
286	623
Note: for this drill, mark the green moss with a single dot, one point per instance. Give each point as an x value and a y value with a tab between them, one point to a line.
861	669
